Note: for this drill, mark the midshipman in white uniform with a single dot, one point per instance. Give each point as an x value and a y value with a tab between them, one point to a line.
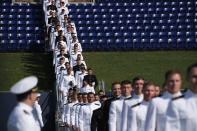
138	96
156	115
182	110
115	112
137	112
85	113
21	118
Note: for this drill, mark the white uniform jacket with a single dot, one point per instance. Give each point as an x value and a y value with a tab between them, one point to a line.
115	114
37	112
58	69
156	115
22	119
73	58
72	113
126	105
56	52
79	78
63	73
57	61
137	116
85	115
181	113
77	114
87	89
65	83
72	47
67	113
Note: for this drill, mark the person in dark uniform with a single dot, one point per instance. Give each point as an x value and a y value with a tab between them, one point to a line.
78	66
60	34
92	80
97	121
101	93
52	6
53	18
116	95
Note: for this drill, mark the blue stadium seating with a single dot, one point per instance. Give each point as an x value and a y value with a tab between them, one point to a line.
125	24
19	26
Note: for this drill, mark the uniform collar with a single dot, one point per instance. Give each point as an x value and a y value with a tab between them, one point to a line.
169	95
87	86
97	102
126	97
61	65
74	102
145	102
138	96
141	96
118	96
121	97
91	103
176	94
25	107
69	74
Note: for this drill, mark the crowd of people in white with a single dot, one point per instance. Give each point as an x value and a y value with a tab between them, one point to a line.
72	75
140	110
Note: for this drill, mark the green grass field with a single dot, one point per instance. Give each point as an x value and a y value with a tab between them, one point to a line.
14	66
118	66
108	66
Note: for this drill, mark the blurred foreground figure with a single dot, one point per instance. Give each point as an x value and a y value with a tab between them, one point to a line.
21	118
182	110
156	114
137	112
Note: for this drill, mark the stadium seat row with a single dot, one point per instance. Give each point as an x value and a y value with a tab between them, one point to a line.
21	26
148	24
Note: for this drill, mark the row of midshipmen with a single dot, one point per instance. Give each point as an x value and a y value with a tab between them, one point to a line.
98	119
70	67
27	115
172	111
78	112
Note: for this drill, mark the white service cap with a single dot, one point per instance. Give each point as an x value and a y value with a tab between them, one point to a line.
24	85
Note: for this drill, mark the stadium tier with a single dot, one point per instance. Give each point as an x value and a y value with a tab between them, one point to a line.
130	24
21	27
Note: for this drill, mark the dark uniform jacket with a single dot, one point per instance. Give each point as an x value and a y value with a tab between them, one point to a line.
96	121
90	79
76	68
65	55
55	19
52	7
106	108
